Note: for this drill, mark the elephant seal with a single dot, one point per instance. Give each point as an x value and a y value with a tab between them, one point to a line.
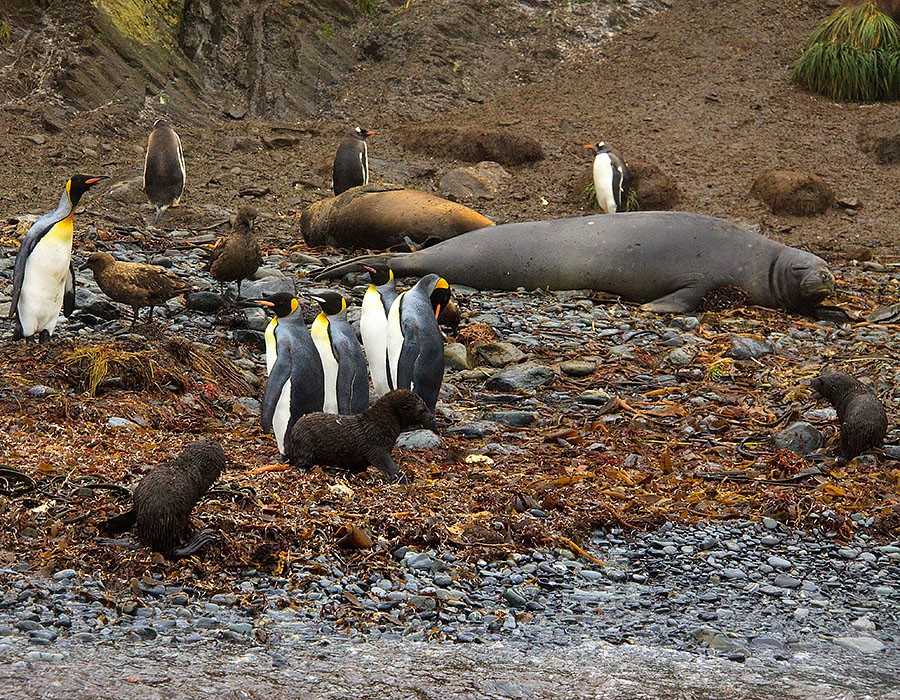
377	218
666	260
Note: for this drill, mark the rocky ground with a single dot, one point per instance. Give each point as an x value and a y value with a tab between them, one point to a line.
601	473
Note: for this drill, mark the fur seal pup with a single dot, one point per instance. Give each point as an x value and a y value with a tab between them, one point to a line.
343	361
666	260
611	180
376	304
351	162
164	173
415	345
863	419
165	497
135	284
237	256
376	217
355	442
44	277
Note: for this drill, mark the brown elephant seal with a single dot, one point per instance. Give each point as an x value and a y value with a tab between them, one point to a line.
377	218
863	419
666	260
355	442
165	497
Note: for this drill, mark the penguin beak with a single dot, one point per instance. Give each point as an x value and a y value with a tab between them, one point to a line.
370	133
95	179
250	302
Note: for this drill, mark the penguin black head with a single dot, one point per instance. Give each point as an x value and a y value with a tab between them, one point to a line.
600	147
79	184
361	134
379	273
281	303
440	296
161	124
331	302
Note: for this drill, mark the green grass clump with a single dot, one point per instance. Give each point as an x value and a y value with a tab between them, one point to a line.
631	202
366	7
854	55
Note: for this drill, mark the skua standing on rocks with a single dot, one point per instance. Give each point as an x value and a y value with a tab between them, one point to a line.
862	416
373	323
135	284
414	341
44	277
296	384
165	497
351	162
237	256
355	442
164	173
611	181
343	361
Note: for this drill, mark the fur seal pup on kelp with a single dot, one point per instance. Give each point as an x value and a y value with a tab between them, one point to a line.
862	416
355	442
667	261
165	497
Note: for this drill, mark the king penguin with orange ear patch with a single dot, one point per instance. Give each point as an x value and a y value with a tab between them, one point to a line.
163	168
373	323
611	180
295	384
44	278
415	344
351	162
343	362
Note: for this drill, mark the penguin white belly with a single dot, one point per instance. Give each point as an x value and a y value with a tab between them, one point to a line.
395	341
373	327
603	183
44	284
364	162
271	346
282	415
319	332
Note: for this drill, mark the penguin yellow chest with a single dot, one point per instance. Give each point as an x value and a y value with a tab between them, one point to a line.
44	281
322	341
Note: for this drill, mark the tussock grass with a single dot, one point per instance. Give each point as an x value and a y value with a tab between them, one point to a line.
854	55
91	365
631	203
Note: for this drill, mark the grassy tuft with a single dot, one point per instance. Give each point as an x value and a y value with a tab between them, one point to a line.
590	196
854	55
92	365
367	7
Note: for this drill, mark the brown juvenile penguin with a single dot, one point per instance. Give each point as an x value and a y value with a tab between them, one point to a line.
863	419
236	256
135	284
355	442
165	497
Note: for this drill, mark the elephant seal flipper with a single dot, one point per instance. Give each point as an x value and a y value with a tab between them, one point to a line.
680	301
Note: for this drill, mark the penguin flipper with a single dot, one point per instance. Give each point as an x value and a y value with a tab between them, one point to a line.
119	523
359	396
281	372
429	373
28	244
69	296
406	364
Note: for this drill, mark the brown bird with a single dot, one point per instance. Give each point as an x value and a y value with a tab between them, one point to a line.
236	256
863	419
135	284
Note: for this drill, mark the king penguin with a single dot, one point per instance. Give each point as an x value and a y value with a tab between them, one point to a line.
611	181
373	323
343	362
295	386
415	344
351	162
163	168
44	277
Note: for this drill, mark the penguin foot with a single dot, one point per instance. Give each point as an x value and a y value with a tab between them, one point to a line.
44	336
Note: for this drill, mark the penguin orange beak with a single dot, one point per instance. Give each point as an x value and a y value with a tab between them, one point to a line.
95	179
261	302
370	133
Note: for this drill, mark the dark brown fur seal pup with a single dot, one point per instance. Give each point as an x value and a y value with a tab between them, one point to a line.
863	419
355	442
237	256
135	284
379	218
164	172
665	260
165	497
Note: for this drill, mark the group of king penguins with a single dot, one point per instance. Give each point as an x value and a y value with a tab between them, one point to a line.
322	367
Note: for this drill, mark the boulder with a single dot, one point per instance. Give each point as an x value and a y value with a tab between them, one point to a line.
481	181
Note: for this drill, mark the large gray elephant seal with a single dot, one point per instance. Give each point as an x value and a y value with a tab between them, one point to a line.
666	260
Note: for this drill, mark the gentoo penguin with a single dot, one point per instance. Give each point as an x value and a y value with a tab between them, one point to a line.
163	168
44	277
611	181
135	284
296	382
236	256
351	162
373	323
343	362
415	344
